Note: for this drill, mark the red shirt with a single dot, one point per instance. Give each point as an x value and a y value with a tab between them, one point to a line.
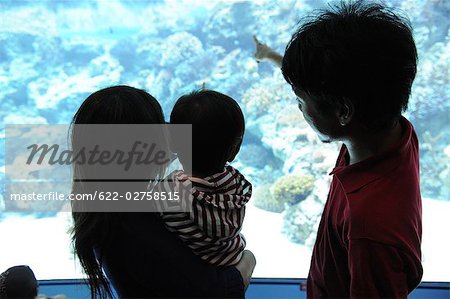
368	243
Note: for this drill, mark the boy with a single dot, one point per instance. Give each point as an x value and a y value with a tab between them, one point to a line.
352	68
216	191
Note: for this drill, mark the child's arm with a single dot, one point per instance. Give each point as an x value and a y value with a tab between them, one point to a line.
220	215
214	222
264	52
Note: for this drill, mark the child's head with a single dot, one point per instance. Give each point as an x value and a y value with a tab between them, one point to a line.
217	129
357	60
18	282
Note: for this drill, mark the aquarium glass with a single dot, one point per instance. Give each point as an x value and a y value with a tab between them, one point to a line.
53	54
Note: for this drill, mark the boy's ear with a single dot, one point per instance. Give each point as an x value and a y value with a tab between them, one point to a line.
345	111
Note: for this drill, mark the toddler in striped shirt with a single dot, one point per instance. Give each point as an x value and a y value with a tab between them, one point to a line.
215	191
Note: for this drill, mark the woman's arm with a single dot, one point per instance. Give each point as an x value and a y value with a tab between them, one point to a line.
147	259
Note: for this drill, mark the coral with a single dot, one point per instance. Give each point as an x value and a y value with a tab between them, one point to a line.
226	23
291	116
48	68
292	189
184	59
434	163
301	220
287	191
49	91
2	204
256	155
413	8
269	95
444	176
35	20
429	92
180	47
257	100
263	199
167	17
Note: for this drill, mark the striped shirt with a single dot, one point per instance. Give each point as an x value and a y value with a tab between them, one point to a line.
217	208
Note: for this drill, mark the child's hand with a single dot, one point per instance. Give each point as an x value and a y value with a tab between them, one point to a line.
246	266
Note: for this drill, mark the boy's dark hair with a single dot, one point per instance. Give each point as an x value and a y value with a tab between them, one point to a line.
359	51
217	128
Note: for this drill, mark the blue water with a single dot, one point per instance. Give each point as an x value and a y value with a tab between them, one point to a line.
172	48
53	54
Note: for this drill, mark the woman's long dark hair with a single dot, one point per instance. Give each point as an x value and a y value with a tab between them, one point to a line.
112	105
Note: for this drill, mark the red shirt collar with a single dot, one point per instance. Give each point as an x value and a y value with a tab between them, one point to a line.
356	176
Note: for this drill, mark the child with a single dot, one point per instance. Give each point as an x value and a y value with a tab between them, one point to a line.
18	282
351	68
217	192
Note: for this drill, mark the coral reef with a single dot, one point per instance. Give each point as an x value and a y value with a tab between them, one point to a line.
435	165
256	155
301	221
285	193
263	199
53	54
292	189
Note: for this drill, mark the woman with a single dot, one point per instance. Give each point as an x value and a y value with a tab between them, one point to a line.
139	256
